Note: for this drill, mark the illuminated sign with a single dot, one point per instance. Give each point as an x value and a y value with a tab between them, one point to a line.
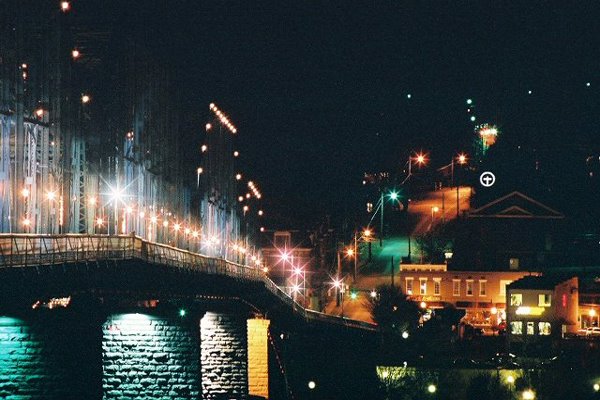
529	310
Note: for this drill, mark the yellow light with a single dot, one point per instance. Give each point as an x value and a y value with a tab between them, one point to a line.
195	234
75	54
420	158
39	112
92	200
99	221
350	252
510	379
265	269
462	158
248	195
246	208
26	222
153	219
262	228
494	310
431	388
423	304
199	170
258	195
596	387
187	231
211	106
367	232
208	127
25	192
253	258
592	313
65	6
85	99
176	227
165	223
435	209
241	198
528	394
238	176
51	195
260	212
236	153
529	310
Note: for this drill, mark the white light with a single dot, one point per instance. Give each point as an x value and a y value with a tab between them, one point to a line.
85	99
529	92
408	96
473	118
64	6
431	388
373	294
75	53
312	385
588	84
596	387
204	148
236	153
528	394
469	101
208	127
404	335
510	379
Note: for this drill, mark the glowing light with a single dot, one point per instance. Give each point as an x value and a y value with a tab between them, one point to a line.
367	232
462	158
510	379
312	385
404	335
238	176
373	294
423	304
592	313
208	127
182	312
529	310
26	222
142	214
195	234
241	198
165	223
337	283
265	269
260	212
284	256
176	227
528	394
296	288
394	196
431	388
529	92
99	221
408	96
435	209
51	195
92	201
187	231
153	219
588	84
298	271
85	99
65	6
262	228
350	252
199	170
39	112
473	118
25	192
204	148
248	195
246	208
469	101
494	311
596	387
75	54
421	158
129	210
236	153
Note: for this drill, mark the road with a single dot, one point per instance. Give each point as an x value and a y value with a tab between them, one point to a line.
422	210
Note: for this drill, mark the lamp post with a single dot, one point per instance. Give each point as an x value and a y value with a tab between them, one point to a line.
433	211
462	160
392	195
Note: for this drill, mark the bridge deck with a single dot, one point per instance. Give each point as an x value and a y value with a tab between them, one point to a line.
27	250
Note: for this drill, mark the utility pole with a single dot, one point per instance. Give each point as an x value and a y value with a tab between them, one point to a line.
392	271
355	254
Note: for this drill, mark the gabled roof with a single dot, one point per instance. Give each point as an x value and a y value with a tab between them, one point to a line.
516	205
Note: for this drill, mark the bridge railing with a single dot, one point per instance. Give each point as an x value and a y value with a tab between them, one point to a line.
22	250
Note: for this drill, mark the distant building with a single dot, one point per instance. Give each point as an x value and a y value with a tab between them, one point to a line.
513	232
482	294
541	308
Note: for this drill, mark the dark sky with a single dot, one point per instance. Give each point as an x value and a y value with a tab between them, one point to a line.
318	89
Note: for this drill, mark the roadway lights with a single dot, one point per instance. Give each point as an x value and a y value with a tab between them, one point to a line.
182	312
510	379
208	127
238	177
431	388
420	158
350	252
462	158
236	153
367	232
85	99
373	294
65	6
75	54
394	195
596	387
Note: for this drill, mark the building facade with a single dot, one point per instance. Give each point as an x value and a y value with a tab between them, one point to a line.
482	294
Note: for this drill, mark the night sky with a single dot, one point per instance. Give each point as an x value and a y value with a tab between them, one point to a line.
319	89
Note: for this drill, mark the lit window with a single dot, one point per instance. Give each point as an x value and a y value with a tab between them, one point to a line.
503	285
544	328
409	286
456	287
482	288
516	299
423	286
530	329
516	327
545	300
469	288
437	286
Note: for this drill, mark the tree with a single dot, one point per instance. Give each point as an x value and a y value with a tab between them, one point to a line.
393	311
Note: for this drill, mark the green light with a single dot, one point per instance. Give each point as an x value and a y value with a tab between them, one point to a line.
182	313
353	295
469	101
394	195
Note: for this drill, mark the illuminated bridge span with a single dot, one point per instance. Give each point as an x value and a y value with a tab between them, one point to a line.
114	317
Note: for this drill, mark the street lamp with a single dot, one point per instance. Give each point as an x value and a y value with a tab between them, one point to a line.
433	211
528	394
392	195
420	159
